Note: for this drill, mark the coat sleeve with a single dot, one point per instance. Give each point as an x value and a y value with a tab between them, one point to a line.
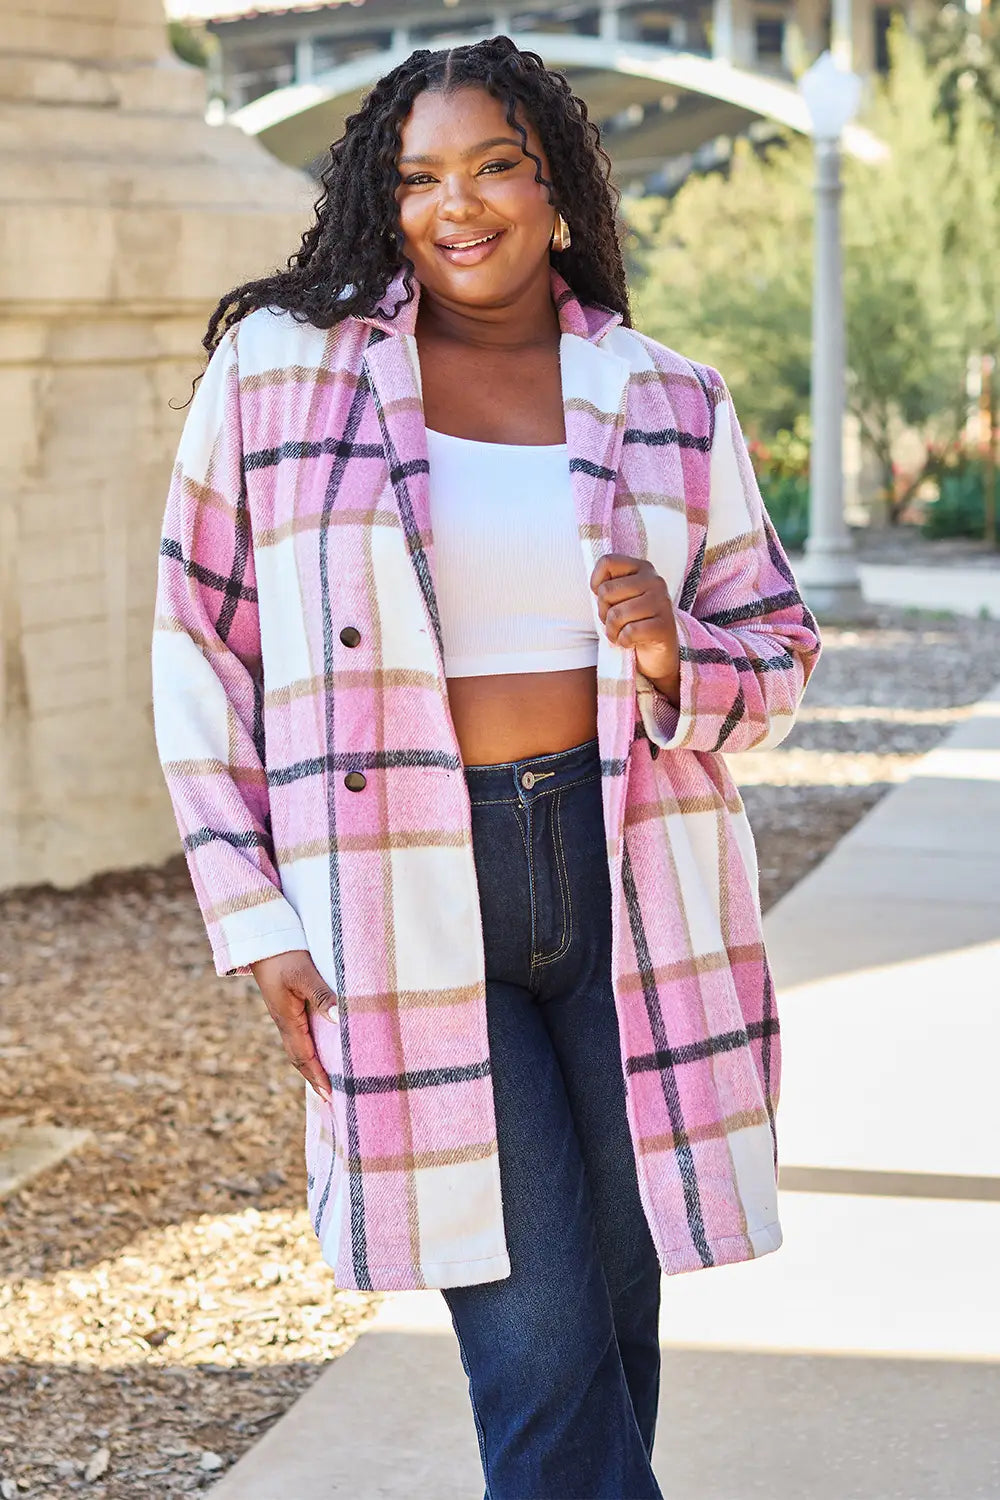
207	682
748	643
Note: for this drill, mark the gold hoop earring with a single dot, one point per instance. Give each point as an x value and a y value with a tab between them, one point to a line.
561	237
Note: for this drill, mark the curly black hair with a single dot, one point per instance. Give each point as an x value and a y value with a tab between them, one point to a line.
352	251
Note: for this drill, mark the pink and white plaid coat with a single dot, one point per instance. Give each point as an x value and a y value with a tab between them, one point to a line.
297	640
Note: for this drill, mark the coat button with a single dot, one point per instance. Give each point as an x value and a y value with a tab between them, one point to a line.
355	781
350	636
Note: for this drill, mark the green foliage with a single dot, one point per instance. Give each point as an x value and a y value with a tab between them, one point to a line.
963	47
724	277
958	509
726	269
782	469
190	46
786	498
786	454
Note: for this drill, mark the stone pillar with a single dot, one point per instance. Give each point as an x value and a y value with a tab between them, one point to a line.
842	32
126	217
828	573
608	21
733	38
863	37
804	34
305	62
853	35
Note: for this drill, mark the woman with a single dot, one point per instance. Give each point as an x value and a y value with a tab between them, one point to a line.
464	585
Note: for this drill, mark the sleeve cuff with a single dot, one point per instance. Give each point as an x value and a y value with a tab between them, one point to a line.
667	724
236	957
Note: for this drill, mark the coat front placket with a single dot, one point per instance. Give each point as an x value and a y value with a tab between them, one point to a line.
460	1236
594	389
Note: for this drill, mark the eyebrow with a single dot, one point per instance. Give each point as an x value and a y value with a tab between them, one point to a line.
435	161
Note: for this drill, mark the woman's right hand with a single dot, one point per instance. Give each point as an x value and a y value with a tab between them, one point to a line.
292	986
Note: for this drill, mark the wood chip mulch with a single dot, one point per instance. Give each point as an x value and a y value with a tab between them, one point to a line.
162	1300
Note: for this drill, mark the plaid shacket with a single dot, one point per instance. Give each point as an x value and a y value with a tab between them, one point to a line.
297	640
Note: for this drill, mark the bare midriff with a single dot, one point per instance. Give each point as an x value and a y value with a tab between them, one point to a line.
514	715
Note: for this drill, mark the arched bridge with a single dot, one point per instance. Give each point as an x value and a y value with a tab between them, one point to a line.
663	107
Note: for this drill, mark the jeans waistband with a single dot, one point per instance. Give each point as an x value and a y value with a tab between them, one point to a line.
535	776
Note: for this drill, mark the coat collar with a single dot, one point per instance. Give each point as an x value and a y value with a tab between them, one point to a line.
396	313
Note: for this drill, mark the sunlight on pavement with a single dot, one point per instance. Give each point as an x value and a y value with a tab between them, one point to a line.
857	713
798	767
962	764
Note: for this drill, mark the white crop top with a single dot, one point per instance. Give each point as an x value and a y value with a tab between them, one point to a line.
510	572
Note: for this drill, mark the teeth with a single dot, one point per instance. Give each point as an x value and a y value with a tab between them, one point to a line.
468	244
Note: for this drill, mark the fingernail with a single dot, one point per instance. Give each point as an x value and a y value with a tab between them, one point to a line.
326	1098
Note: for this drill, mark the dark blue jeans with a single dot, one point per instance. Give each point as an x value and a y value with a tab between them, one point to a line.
562	1355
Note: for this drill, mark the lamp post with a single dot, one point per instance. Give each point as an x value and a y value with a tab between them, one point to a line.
829	571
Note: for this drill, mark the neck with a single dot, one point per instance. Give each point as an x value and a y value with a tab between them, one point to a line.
527	319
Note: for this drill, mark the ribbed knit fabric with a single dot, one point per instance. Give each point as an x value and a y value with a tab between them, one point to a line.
511	593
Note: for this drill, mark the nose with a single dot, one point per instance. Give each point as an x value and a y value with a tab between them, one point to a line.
459	200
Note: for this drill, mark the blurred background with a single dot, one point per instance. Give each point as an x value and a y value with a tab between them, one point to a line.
162	1304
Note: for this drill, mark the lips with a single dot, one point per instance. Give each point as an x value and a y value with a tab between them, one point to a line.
470	248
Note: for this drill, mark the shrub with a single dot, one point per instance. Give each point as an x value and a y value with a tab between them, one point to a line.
786	497
189	44
958	509
782	467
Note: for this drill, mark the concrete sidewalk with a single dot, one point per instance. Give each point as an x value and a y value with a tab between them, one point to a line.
966	591
862	1361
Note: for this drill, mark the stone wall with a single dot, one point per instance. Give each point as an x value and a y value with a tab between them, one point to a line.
125	218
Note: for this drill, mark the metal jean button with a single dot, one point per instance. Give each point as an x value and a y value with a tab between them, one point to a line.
528	780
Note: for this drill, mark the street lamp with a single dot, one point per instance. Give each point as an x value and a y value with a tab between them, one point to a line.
829	571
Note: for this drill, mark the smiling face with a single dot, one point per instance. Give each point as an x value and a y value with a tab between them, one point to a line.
475	222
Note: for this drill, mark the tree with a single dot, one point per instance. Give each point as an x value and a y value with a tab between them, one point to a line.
726	269
907	327
191	46
723	276
963	48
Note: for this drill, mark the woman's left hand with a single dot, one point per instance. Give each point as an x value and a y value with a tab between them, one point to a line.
636	612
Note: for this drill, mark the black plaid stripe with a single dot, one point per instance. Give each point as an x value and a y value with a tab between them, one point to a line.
685	1156
706	1047
398	474
206	576
362	760
242	545
757	609
690	589
249	840
359	1244
733	718
596	471
398	1083
267	458
708	655
775	553
666	437
260	748
766	1030
713	394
